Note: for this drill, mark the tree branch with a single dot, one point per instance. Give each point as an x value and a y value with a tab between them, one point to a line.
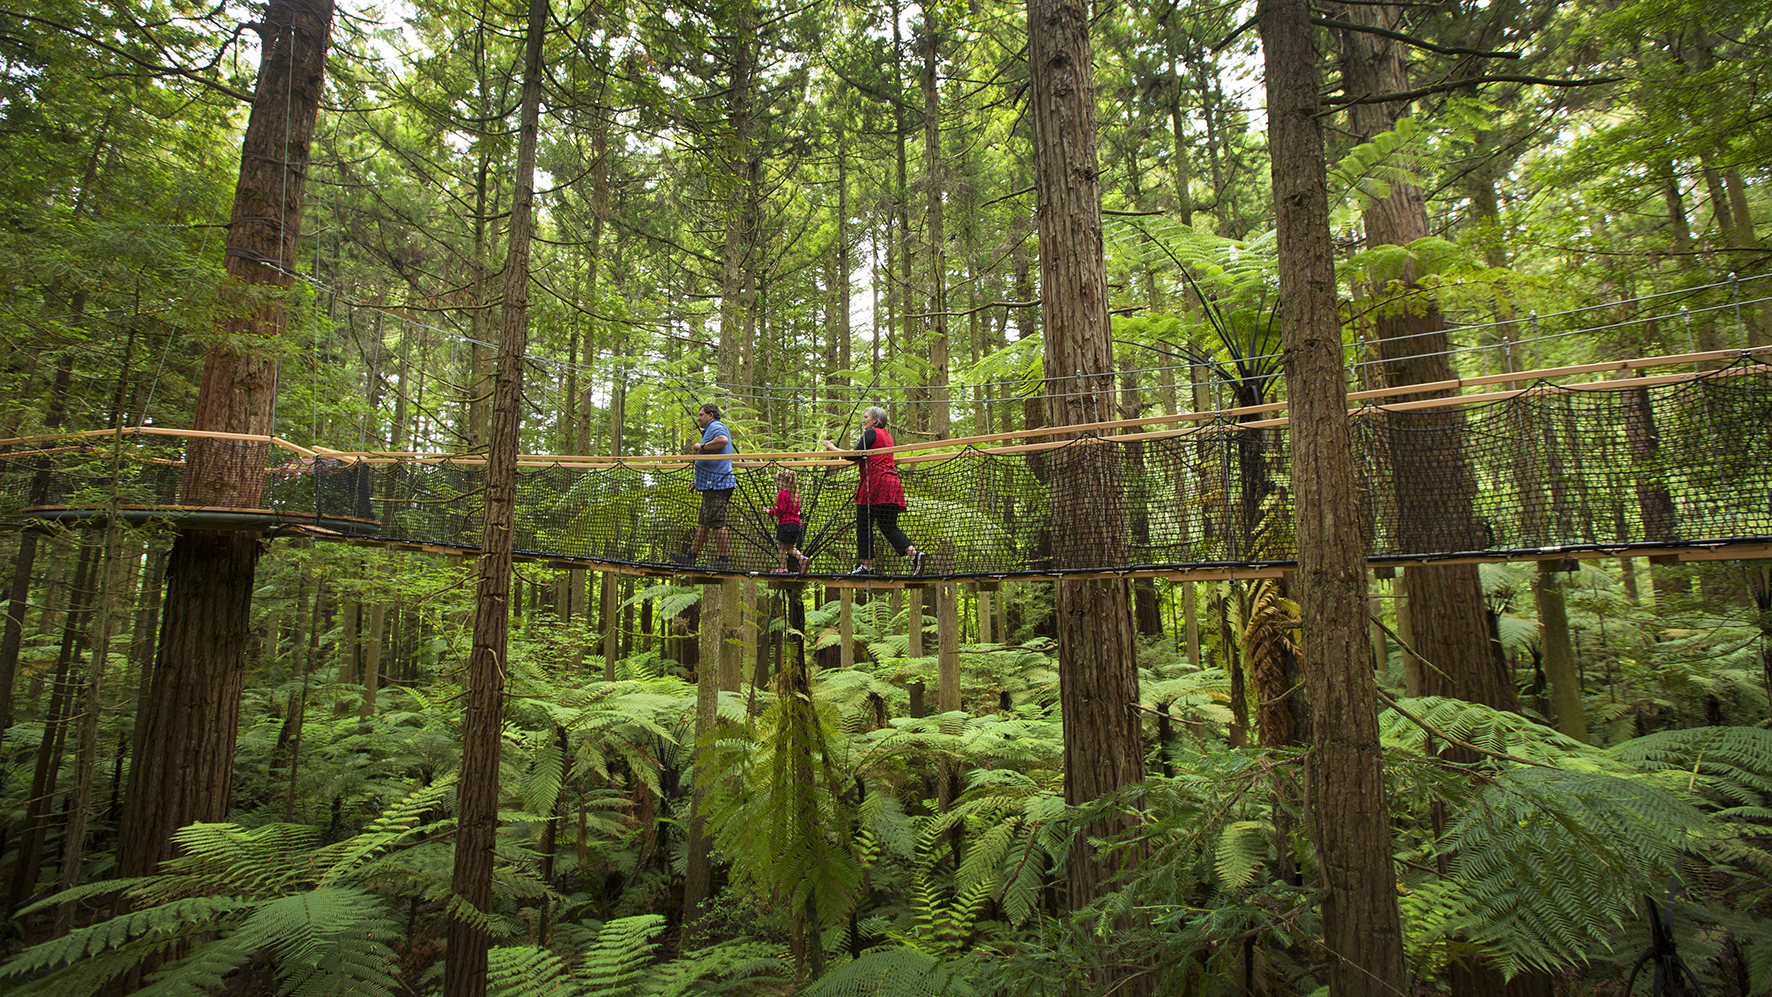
151	67
1370	29
1459	84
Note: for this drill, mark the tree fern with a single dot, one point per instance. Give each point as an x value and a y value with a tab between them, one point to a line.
1550	863
727	965
897	972
1488	728
1727	766
528	971
616	962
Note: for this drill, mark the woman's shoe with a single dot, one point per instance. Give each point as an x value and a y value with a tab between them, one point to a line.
917	563
862	569
805	563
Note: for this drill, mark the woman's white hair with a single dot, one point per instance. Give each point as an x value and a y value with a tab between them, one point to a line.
877	414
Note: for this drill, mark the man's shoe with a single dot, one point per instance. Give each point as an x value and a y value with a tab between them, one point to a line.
917	563
721	564
683	557
862	569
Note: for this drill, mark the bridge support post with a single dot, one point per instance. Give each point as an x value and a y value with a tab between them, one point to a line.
846	627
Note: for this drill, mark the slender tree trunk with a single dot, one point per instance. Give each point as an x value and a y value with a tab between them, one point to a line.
464	972
1351	822
378	615
49	747
190	718
18	597
737	274
112	576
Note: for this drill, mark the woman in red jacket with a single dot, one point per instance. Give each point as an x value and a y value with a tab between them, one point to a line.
879	496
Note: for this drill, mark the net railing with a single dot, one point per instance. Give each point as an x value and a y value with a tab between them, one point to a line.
1655	463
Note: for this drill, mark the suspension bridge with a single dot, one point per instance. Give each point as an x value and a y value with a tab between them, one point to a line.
1669	455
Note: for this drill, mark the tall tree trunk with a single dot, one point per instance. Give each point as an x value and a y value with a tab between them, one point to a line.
935	185
1097	660
947	679
1351	822
736	275
464	972
1434	486
190	719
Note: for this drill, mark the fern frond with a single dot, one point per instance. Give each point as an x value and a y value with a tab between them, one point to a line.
1241	851
1610	839
527	971
326	941
900	972
165	921
617	961
1728	766
751	962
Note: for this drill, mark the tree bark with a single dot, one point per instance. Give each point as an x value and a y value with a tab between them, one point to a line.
464	972
1097	660
190	719
935	183
1434	488
1350	819
736	273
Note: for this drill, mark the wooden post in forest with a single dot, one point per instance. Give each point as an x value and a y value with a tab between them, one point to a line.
698	877
947	681
1559	654
846	627
914	623
1350	821
189	720
465	960
732	647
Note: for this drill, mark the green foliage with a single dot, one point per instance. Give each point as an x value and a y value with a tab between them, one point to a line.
1609	839
779	816
899	972
236	892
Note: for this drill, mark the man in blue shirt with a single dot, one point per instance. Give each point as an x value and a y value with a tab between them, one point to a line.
715	481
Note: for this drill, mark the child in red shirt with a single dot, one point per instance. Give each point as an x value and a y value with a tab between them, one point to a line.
788	529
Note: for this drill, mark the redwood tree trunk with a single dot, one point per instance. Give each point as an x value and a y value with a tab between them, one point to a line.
1434	489
1350	819
464	972
1098	669
190	717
